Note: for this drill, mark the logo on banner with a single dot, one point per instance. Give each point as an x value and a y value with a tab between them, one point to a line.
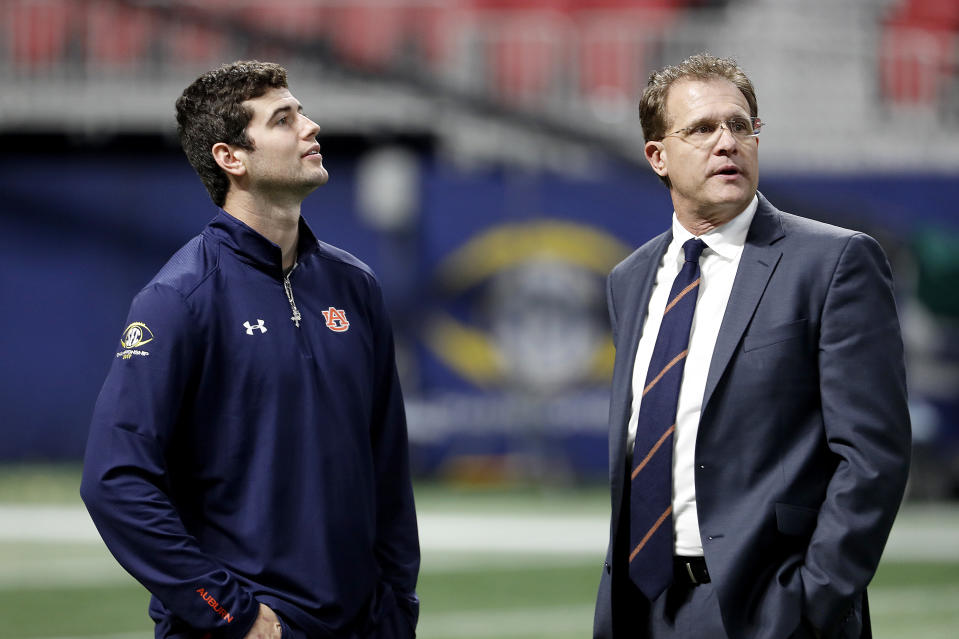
525	307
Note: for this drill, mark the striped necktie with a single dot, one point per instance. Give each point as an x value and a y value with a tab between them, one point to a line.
651	504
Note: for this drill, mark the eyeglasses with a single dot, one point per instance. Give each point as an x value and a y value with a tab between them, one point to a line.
705	133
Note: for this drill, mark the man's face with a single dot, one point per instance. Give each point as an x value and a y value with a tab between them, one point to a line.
286	159
719	178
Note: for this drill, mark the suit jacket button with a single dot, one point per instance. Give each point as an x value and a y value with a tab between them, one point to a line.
606	565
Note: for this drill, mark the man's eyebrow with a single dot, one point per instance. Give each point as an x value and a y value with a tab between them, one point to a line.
285	109
700	120
705	119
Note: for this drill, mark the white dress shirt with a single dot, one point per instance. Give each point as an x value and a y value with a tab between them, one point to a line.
718	263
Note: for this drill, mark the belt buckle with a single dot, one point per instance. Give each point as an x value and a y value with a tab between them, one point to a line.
689	571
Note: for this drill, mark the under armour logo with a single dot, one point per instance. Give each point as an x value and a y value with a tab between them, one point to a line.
336	319
260	325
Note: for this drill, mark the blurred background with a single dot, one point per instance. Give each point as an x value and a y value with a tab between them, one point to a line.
486	161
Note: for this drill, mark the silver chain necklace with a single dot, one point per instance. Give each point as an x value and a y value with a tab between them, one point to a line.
289	295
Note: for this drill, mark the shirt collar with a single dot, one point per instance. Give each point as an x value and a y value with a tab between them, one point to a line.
254	248
726	240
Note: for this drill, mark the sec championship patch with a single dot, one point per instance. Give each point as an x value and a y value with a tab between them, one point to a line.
134	336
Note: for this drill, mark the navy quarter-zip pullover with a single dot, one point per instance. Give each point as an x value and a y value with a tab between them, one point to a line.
237	456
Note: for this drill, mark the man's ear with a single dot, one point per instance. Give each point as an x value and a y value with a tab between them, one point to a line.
656	156
229	159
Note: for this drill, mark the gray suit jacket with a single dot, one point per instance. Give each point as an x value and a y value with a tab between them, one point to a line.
803	446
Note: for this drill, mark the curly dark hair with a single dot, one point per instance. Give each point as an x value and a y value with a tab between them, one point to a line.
702	66
211	110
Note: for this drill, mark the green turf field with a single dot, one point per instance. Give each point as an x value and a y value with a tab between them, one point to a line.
498	563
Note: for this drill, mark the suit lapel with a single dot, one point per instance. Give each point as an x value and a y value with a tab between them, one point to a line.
758	261
635	306
632	289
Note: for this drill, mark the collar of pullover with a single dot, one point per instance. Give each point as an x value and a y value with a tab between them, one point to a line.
256	250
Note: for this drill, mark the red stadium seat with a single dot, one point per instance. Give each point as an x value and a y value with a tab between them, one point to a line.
38	31
193	43
118	35
918	46
300	20
368	35
614	49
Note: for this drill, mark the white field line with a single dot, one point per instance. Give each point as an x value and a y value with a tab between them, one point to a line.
441	532
919	533
514	533
24	522
38	573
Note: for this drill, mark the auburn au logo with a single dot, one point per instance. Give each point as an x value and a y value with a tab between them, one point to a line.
336	320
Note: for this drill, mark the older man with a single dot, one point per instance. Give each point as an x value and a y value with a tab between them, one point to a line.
759	434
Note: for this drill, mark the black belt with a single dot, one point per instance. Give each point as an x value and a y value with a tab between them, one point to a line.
690	570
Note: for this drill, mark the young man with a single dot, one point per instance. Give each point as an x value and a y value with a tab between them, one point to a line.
247	459
759	432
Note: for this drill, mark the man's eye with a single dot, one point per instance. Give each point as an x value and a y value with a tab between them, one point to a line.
281	121
739	125
703	129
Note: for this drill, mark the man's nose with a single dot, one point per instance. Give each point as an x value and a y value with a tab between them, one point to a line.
312	129
726	140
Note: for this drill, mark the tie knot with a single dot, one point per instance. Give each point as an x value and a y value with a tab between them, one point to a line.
693	249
